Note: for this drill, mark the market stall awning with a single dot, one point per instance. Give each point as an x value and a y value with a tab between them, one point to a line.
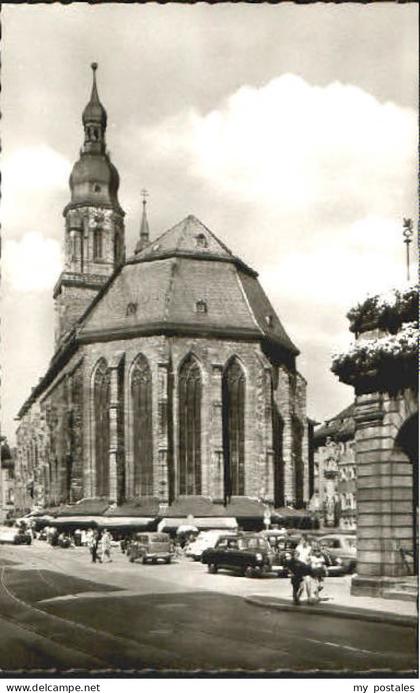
123	522
75	520
198	522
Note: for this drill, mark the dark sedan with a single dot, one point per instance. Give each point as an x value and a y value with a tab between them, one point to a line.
248	555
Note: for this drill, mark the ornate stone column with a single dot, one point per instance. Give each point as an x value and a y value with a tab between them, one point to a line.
113	426
161	475
382	366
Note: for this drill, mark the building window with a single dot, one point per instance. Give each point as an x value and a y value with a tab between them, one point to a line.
101	397
233	414
201	307
141	396
269	320
97	244
131	309
96	188
201	241
189	406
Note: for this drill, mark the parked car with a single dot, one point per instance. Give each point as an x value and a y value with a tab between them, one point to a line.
150	546
342	549
206	540
284	547
250	555
14	535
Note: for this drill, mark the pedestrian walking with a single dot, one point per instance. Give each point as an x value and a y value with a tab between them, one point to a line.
106	546
93	544
300	571
303	549
318	573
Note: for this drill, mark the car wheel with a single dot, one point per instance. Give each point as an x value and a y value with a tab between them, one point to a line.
249	571
212	568
168	560
131	558
144	560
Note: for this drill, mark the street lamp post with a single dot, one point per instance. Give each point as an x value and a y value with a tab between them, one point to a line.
408	237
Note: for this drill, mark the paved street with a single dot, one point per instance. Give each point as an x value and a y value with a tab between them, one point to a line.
69	613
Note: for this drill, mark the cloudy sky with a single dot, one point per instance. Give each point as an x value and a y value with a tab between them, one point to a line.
290	131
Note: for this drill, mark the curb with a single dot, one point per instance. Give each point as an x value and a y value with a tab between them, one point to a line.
335	611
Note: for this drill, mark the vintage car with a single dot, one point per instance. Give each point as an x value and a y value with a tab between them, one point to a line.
149	546
14	535
205	540
342	549
247	554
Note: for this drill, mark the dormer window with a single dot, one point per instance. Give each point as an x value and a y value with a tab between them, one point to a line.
201	307
201	241
97	244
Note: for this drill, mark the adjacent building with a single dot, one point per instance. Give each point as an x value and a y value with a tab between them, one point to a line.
334	498
173	377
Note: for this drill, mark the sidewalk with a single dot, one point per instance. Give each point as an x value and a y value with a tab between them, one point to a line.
339	602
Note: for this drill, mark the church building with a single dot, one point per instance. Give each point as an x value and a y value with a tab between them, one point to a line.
173	378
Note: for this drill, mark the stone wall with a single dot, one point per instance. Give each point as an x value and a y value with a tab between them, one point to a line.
384	488
63	420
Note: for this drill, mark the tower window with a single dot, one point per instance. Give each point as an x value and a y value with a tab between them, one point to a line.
201	307
96	188
97	244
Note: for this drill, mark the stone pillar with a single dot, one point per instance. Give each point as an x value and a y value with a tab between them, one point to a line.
161	472
269	456
282	397
113	427
384	495
216	476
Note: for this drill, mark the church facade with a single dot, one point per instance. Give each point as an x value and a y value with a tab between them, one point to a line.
172	376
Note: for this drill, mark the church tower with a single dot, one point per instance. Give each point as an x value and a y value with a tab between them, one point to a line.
94	221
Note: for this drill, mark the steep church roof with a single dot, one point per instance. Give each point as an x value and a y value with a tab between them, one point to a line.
185	282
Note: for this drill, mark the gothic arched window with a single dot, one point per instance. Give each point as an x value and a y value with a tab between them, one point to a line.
101	417
189	407
141	394
233	411
97	244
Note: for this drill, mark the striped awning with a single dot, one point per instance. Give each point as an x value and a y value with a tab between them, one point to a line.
199	522
101	521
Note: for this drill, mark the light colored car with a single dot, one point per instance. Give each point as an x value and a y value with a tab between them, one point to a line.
150	546
14	535
343	549
206	540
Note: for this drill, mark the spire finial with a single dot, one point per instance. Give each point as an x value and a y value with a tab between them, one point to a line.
144	227
94	67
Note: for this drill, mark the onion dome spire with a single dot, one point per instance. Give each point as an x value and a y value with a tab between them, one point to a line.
144	226
94	119
94	111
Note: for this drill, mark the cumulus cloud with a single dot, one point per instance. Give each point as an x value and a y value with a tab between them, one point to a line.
33	181
36	168
300	148
33	263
